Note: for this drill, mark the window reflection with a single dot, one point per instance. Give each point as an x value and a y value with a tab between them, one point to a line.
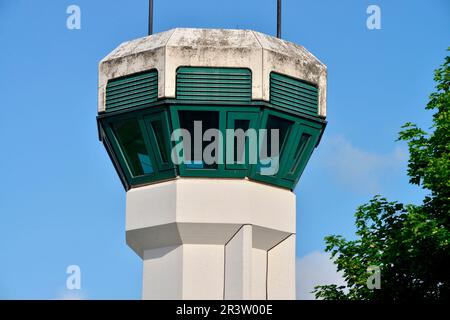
209	120
131	141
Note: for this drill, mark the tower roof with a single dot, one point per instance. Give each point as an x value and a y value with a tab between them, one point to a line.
169	50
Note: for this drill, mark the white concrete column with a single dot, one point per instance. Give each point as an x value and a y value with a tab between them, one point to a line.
162	276
259	274
215	249
281	270
238	264
189	271
203	271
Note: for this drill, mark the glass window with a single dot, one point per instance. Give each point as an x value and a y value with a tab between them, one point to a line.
158	131
239	152
206	120
266	153
283	127
131	141
301	146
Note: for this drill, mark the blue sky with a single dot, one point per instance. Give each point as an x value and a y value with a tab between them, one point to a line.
61	202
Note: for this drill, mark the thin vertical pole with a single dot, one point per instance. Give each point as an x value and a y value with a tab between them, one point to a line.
150	17
278	18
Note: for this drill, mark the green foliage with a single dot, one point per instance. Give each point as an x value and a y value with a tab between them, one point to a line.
410	244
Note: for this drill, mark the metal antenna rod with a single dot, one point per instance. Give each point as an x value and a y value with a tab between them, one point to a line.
278	18
150	17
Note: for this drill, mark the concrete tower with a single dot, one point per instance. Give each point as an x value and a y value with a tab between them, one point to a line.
211	230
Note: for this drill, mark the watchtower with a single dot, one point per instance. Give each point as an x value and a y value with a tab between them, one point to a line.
211	212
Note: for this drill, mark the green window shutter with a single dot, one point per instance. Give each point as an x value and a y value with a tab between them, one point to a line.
132	90
293	94
214	84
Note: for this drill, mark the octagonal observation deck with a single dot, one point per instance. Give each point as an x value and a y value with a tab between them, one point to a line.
228	79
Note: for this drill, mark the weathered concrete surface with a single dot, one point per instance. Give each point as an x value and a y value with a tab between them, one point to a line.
215	249
166	51
175	212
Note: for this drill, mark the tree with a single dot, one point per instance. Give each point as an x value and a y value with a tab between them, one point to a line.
410	244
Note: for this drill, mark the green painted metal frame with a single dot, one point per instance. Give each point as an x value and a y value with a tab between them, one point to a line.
222	171
256	112
284	178
162	171
253	118
160	153
293	157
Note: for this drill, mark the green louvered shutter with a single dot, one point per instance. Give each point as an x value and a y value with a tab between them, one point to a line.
132	90
214	84
293	94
